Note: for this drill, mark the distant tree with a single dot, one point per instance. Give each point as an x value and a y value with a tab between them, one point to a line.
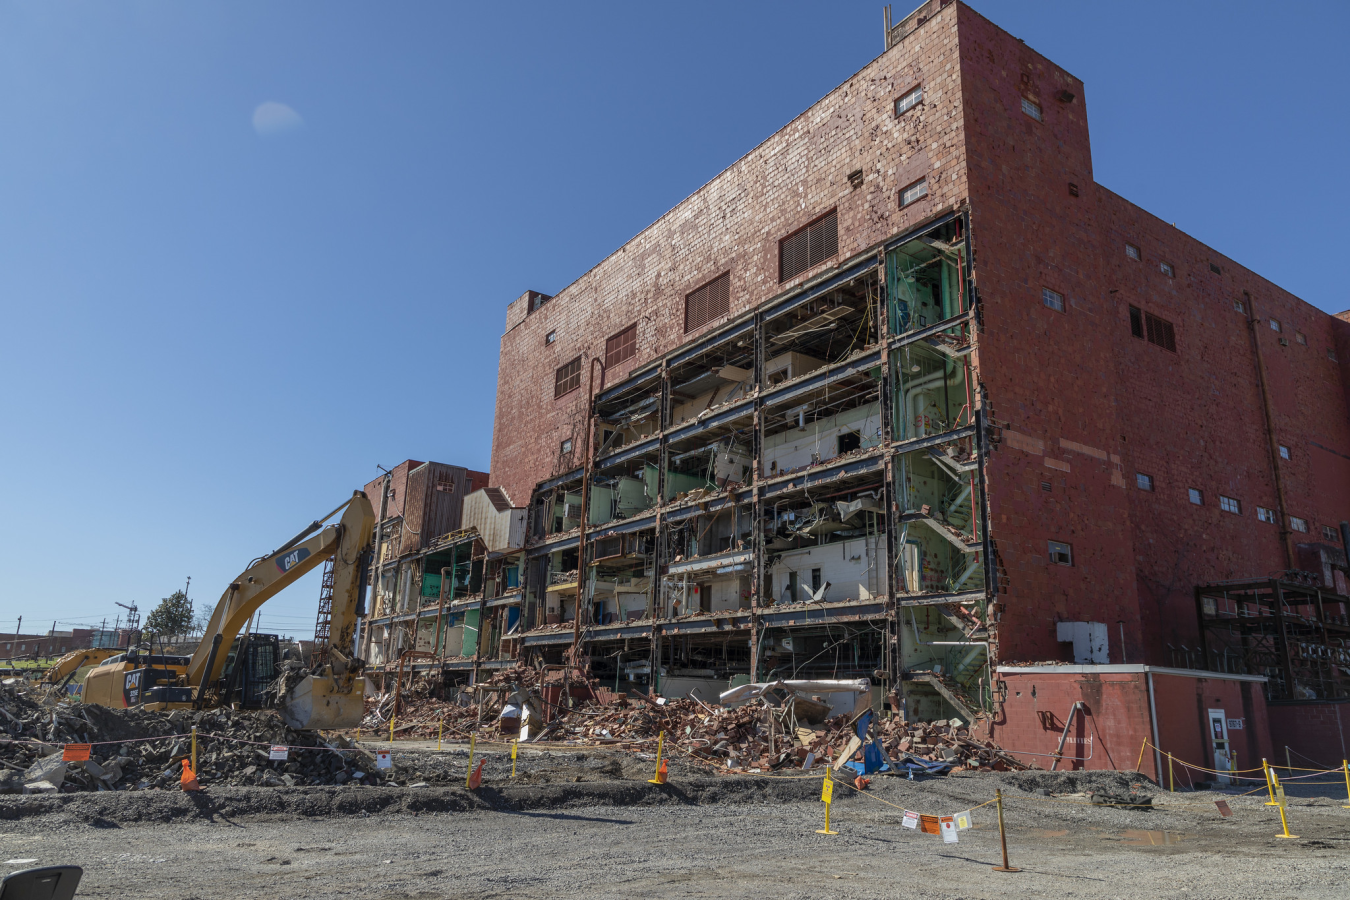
172	616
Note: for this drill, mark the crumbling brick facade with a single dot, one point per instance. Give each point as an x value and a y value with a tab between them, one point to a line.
1114	366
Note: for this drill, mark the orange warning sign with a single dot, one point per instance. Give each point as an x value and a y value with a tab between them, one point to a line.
76	752
929	824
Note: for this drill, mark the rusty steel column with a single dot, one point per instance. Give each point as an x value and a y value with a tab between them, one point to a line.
585	493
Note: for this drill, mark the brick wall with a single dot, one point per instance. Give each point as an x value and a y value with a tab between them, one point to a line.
733	224
1314	731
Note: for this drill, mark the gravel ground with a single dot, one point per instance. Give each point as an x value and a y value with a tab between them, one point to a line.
592	827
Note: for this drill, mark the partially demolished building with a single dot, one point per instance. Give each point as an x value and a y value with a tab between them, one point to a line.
904	394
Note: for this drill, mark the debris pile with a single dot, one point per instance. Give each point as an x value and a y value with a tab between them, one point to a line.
137	749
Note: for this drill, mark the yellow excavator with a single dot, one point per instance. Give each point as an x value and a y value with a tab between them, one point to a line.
331	696
65	668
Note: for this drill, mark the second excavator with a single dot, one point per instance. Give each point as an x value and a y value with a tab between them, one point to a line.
328	697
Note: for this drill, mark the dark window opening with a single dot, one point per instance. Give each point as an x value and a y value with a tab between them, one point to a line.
1136	321
567	378
621	347
848	441
808	247
1160	332
708	302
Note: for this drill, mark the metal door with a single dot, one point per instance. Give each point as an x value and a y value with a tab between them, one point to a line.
1223	755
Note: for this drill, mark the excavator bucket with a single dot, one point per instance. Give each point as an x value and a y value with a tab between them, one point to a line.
316	704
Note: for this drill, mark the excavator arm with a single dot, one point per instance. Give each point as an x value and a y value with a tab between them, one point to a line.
66	667
333	696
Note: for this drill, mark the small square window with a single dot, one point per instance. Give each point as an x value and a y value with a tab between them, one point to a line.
1239	306
1045	486
1197	496
909	101
1073	189
1330	534
1228	504
1061	554
1215	269
1298	524
1145	482
1032	108
1265	515
1284	452
916	191
566	446
1166	269
1301	338
1132	252
1275	325
1052	299
550	337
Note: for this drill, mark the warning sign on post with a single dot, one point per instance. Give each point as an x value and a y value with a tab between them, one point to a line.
279	752
382	760
76	752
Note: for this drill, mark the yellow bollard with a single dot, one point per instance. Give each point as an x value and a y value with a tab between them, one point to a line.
826	796
1345	767
1270	787
514	745
439	731
1141	755
472	738
194	749
391	731
1284	821
659	777
1171	779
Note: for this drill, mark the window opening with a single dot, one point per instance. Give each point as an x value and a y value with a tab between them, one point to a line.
1061	554
621	347
916	191
1265	515
1160	332
709	302
1284	452
1032	108
1052	299
1137	322
909	101
1228	504
1132	252
1145	482
1274	324
1166	269
567	378
1330	534
1298	524
566	446
1197	496
1301	338
550	337
809	246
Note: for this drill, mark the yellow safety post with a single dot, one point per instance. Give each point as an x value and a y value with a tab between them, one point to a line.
1141	755
194	749
1002	837
391	731
1284	821
472	738
660	776
1345	767
439	731
514	745
1270	786
826	796
1171	778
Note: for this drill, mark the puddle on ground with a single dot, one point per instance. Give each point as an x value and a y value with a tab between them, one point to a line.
1133	837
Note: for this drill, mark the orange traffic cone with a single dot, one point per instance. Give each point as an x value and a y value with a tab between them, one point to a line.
477	777
189	779
661	773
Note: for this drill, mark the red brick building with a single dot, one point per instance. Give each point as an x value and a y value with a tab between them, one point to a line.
903	393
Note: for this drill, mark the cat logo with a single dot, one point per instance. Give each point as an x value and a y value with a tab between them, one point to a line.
291	559
131	688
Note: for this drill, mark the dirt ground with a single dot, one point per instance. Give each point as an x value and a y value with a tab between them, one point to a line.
586	824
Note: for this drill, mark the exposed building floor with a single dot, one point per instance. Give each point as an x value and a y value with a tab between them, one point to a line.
721	837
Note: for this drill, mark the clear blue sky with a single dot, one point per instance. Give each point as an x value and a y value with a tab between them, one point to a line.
218	319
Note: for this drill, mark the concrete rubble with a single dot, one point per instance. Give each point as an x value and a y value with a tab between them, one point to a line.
31	758
780	729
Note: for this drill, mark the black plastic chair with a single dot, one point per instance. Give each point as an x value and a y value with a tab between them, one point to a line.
46	883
